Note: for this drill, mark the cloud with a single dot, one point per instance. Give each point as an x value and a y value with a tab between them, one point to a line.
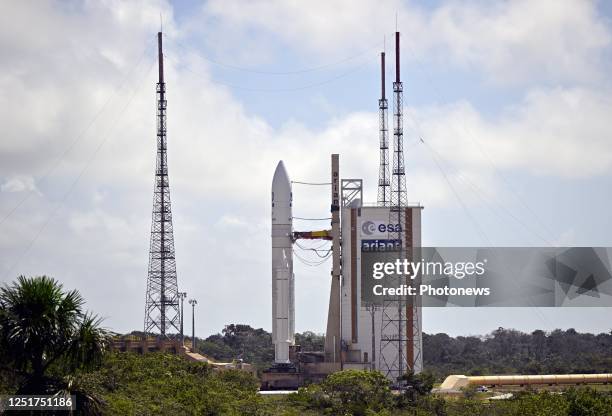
320	26
510	42
518	41
59	72
561	132
19	183
233	221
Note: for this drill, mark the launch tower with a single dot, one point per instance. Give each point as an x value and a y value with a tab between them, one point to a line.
384	191
162	301
400	343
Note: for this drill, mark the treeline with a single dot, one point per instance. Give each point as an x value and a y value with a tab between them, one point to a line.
508	351
503	351
252	345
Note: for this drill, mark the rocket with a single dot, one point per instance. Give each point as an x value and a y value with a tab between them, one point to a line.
283	300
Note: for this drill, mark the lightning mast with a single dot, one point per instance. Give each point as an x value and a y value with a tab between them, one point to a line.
398	353
384	194
162	300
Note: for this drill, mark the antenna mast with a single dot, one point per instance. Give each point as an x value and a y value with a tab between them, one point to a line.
384	195
162	300
398	353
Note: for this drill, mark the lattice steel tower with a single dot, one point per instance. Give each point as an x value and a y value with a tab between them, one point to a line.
384	191
399	327
162	302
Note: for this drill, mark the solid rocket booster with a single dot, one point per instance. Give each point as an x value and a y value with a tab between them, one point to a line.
283	309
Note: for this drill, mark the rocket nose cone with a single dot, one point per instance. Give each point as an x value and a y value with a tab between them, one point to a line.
281	203
281	179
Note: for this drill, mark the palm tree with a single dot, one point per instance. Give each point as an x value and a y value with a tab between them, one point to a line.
45	335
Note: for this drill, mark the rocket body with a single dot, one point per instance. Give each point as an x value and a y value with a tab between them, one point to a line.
283	299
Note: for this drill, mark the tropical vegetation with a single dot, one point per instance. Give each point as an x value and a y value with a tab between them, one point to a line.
46	337
50	344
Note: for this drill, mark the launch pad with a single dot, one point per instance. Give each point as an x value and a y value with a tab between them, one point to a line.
356	337
306	367
384	337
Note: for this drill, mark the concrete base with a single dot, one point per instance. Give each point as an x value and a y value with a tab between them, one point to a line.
291	377
142	345
281	377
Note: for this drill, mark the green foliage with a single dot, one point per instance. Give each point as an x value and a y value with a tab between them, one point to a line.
507	351
156	383
252	345
49	344
468	392
309	341
504	351
415	387
239	341
45	335
348	392
353	392
588	402
573	402
540	404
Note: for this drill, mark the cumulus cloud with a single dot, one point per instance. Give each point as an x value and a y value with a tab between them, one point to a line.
510	42
518	41
19	183
222	154
559	132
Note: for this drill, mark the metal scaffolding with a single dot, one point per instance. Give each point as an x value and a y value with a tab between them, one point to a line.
400	329
162	313
384	195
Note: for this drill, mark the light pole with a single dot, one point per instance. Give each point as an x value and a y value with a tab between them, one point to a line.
193	302
182	296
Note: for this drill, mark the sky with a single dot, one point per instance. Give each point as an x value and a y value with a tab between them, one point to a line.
512	101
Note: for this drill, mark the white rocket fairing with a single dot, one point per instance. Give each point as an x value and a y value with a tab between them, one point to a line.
283	309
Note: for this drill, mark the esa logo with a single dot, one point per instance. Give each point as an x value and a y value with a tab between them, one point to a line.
371	227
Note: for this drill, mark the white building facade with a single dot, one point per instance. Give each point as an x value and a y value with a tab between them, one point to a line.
368	228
